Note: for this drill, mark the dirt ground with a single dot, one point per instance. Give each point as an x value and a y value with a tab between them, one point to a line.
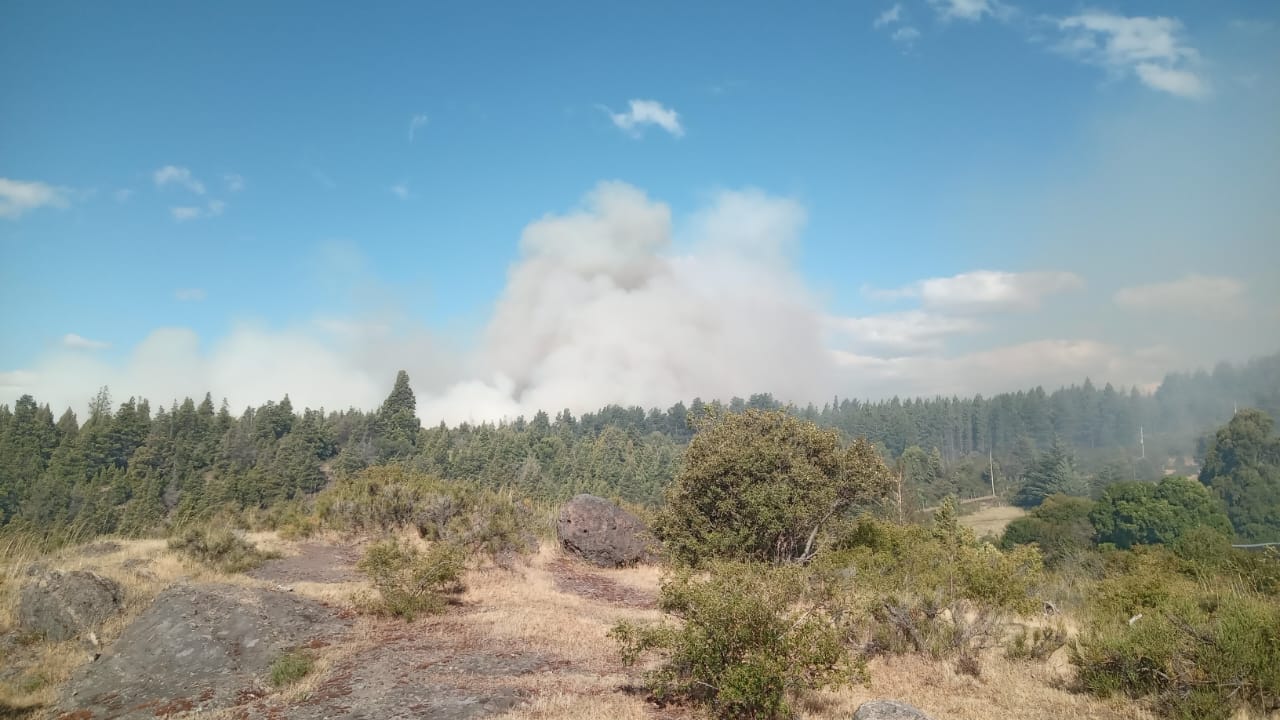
991	520
531	643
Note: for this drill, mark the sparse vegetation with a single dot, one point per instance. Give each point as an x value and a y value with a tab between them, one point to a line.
220	548
291	667
410	581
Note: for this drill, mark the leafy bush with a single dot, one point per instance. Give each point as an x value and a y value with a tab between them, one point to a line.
1138	513
762	486
291	667
1190	634
751	637
410	581
1035	643
389	497
221	548
932	590
1060	526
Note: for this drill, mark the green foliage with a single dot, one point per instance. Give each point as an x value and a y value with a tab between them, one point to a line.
1195	631
1242	466
935	590
1130	513
761	485
751	637
382	498
410	581
291	667
1035	643
1060	526
220	548
1054	473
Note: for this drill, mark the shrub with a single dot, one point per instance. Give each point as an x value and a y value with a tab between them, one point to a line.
221	548
410	581
1191	636
1060	526
1035	643
386	498
752	636
291	667
1134	513
935	591
762	486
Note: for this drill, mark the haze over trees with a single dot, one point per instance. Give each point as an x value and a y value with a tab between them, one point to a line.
126	468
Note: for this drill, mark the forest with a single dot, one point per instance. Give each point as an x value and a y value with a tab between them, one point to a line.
131	467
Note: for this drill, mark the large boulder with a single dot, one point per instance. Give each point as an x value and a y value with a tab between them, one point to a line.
603	533
197	647
62	605
888	710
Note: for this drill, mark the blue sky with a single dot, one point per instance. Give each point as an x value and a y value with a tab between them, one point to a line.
958	195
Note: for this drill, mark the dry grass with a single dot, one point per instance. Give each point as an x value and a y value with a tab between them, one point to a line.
1005	689
991	520
143	568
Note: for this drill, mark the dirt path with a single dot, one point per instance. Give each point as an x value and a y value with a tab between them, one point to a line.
572	576
315	562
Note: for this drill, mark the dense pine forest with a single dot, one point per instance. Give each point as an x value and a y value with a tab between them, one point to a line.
129	467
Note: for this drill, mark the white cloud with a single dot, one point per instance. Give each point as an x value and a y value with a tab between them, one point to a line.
174	175
122	195
984	290
888	17
896	333
400	190
77	342
19	196
1050	363
213	208
647	112
189	294
966	9
905	35
1193	294
416	123
1151	48
235	183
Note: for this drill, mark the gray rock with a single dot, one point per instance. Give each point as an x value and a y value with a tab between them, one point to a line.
888	710
196	647
62	605
603	533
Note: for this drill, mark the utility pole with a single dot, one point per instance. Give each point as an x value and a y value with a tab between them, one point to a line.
1142	441
991	461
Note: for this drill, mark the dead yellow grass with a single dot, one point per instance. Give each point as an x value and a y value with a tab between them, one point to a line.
991	520
143	568
1006	689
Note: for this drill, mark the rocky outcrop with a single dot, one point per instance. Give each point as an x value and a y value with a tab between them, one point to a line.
196	647
603	533
888	710
63	605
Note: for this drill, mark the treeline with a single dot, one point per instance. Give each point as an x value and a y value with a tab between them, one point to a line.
127	468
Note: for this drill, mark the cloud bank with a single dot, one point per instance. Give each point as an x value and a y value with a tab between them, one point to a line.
603	305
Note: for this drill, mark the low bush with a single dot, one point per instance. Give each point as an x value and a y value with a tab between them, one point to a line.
385	498
221	548
751	637
410	581
934	590
291	667
1036	643
1188	634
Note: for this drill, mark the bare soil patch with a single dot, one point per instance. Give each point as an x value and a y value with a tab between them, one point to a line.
572	576
314	562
